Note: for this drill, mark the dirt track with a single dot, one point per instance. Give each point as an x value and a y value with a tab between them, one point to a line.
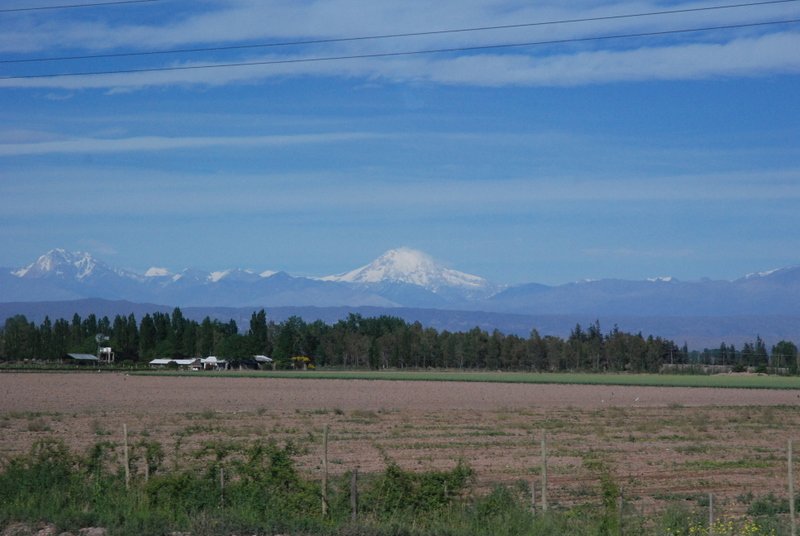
145	394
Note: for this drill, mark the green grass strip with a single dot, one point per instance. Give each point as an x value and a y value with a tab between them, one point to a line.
577	378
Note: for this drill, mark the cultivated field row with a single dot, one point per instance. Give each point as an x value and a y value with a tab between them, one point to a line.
659	445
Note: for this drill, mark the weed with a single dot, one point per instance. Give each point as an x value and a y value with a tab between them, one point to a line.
208	414
38	425
692	449
769	505
706	465
362	415
98	429
264	493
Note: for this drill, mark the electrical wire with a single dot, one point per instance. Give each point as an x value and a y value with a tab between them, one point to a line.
408	53
72	6
396	35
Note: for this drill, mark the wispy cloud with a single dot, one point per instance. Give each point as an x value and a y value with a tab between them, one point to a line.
694	56
242	20
747	57
346	194
161	143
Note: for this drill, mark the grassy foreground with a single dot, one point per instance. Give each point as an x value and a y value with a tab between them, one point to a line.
232	489
749	381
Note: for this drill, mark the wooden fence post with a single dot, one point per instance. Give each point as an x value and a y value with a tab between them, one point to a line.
125	456
325	471
790	464
533	497
544	471
354	495
710	514
221	486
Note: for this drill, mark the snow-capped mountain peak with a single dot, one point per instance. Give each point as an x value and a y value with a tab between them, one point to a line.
156	271
215	277
767	273
233	274
413	267
60	263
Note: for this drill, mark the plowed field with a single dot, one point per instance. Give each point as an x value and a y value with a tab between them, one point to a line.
659	444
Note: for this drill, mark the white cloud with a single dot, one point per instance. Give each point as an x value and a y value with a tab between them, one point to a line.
161	143
74	191
756	56
750	52
245	20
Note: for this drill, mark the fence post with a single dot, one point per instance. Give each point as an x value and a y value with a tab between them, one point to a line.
125	456
620	510
790	464
354	495
533	497
710	514
221	486
544	471
325	471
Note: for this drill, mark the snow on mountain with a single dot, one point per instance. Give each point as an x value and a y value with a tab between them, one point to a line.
64	264
412	267
190	276
766	273
399	278
155	271
235	274
789	272
214	277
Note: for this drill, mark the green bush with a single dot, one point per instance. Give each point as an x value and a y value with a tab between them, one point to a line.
397	490
265	494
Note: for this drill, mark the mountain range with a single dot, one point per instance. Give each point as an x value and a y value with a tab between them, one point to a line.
406	279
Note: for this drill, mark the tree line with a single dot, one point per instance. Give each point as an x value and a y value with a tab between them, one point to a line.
369	342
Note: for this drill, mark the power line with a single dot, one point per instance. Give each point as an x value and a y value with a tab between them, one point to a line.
72	6
408	53
396	35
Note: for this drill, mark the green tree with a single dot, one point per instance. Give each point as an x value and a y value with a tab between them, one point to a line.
258	333
48	350
289	339
147	338
178	326
76	333
785	354
206	337
17	340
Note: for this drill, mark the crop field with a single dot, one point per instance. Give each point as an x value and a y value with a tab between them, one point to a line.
743	381
659	445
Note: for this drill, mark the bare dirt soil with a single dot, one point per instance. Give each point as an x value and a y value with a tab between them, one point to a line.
659	444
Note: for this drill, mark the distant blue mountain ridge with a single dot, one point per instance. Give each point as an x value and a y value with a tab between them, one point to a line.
409	282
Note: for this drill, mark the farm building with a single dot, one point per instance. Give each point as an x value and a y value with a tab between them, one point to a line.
82	359
105	354
193	363
213	363
263	360
256	362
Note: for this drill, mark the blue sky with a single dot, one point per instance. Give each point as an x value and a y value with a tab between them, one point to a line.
633	158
